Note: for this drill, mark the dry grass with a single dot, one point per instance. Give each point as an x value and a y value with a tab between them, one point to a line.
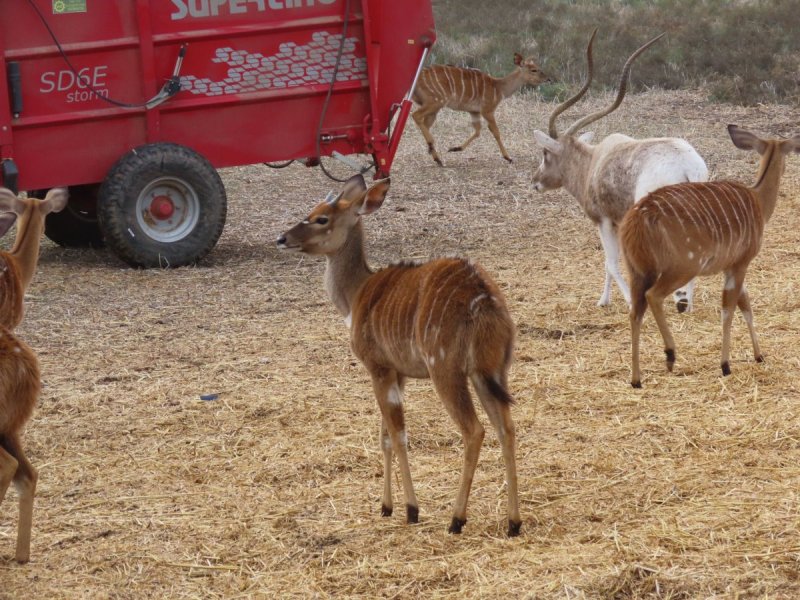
685	489
741	51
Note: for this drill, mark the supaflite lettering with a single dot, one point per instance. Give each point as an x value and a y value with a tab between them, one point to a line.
215	8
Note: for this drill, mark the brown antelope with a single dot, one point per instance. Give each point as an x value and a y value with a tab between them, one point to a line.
472	91
444	319
681	231
19	388
608	178
19	264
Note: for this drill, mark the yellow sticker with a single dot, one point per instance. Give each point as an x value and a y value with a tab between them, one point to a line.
63	7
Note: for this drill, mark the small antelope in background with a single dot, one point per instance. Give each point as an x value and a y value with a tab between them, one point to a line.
472	91
18	266
608	178
19	389
444	319
682	231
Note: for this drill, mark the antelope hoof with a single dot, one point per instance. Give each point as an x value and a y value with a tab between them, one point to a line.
760	358
508	159
455	149
670	358
636	385
682	305
412	514
513	528
434	155
456	525
386	511
726	368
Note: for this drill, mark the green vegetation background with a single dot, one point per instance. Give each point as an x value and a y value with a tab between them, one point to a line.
741	51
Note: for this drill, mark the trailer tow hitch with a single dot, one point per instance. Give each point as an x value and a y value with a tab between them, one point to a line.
172	86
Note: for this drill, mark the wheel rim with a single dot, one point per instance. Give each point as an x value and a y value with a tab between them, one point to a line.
167	209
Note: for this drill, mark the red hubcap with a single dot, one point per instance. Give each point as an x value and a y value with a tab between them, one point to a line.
162	208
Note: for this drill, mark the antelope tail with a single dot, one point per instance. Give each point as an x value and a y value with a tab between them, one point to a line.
497	390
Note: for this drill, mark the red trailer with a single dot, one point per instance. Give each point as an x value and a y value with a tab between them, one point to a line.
134	104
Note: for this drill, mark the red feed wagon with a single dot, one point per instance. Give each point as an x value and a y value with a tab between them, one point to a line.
134	104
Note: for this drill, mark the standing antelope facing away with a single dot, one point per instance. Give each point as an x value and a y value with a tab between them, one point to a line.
472	91
19	388
682	231
608	178
444	319
19	264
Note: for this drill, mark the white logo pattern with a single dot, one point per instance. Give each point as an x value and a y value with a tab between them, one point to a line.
292	66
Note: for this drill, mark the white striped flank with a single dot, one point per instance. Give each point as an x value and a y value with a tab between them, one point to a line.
474	302
724	223
443	286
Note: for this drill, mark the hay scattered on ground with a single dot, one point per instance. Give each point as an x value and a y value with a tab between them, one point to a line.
685	489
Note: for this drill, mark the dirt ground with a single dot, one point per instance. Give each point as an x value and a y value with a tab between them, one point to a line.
687	488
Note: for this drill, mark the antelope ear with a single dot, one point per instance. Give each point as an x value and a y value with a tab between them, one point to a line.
546	142
518	58
6	221
794	144
10	207
354	187
587	137
10	203
55	200
744	140
374	197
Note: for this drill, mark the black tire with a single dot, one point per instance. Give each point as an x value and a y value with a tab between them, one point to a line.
162	205
76	226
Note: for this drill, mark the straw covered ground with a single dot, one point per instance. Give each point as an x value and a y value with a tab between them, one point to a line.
687	488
